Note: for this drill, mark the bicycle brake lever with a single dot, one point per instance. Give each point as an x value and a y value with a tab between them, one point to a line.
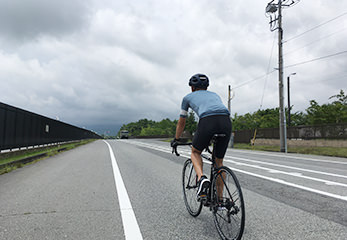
174	149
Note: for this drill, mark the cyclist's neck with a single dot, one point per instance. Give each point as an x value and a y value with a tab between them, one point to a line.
198	89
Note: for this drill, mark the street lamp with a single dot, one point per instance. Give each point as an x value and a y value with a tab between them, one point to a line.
288	89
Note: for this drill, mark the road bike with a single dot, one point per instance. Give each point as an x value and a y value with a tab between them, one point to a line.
224	199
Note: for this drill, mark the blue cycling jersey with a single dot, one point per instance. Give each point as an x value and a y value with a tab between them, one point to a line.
204	103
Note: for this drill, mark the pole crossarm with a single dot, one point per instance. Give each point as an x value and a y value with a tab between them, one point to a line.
272	11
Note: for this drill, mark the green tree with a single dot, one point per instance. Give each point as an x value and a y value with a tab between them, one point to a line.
335	112
267	118
191	124
145	127
151	131
135	128
298	119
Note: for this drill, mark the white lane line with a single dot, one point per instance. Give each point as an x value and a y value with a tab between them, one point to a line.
285	166
130	225
344	198
294	174
265	163
285	155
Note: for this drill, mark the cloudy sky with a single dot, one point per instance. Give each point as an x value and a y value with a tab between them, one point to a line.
103	63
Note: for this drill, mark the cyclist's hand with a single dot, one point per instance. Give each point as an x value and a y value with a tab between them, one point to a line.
174	142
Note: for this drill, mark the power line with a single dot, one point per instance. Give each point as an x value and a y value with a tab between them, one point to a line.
327	78
316	59
255	79
268	68
309	30
310	43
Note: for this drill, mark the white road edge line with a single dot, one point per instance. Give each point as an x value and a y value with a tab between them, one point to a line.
130	225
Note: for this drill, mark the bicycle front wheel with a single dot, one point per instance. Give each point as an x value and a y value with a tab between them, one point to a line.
229	210
189	183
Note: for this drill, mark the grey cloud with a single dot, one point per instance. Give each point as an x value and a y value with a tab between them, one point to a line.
23	20
105	62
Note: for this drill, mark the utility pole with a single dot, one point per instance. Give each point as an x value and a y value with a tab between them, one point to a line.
231	95
274	11
288	94
231	141
283	127
229	98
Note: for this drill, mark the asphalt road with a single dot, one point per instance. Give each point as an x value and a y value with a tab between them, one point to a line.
80	194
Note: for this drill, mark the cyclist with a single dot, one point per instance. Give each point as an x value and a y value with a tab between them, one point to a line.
213	118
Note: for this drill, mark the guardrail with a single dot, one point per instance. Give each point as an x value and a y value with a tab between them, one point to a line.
20	128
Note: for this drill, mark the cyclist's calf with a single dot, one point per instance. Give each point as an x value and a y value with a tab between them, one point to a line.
219	162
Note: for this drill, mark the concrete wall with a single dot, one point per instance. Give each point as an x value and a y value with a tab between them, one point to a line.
304	143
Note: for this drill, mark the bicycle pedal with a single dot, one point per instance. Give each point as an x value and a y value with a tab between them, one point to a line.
207	203
202	198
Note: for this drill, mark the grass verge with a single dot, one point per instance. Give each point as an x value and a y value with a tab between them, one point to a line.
10	157
325	151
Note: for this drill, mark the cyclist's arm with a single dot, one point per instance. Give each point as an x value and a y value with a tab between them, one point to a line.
180	127
183	115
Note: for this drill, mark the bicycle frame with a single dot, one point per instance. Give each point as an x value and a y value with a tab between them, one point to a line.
210	201
227	208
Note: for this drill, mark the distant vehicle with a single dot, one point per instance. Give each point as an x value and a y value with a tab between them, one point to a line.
124	134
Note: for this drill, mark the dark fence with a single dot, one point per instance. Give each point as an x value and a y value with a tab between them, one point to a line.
329	131
20	128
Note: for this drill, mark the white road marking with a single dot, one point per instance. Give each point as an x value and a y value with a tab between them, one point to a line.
294	174
130	225
285	166
288	156
292	184
159	148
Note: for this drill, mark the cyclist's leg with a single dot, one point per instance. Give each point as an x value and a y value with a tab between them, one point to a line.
200	142
203	181
197	162
219	162
224	126
219	181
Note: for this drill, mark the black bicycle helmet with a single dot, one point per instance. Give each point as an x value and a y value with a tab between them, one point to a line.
199	81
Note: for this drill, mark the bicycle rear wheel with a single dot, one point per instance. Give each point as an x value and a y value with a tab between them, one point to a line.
229	211
189	183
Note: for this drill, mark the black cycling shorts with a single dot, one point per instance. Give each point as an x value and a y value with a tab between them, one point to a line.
207	127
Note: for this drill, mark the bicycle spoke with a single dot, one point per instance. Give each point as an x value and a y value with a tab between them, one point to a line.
229	212
189	181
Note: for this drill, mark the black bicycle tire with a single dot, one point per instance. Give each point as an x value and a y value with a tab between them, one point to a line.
240	195
194	212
